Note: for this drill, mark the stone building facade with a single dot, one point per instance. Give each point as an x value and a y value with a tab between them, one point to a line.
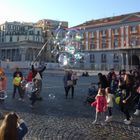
112	42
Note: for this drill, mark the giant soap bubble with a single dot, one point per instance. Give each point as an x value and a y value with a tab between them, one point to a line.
69	46
65	46
66	59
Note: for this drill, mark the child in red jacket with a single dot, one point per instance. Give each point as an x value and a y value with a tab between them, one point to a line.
101	106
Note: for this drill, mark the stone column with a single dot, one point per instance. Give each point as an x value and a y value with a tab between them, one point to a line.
5	54
127	65
126	35
97	39
16	55
10	54
34	57
86	41
109	38
122	37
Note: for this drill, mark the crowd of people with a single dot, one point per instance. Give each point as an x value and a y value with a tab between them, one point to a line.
12	126
20	86
125	87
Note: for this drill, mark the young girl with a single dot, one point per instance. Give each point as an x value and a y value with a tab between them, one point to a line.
13	127
137	112
109	98
125	105
101	105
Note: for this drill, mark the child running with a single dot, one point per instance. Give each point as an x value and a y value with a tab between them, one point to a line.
101	106
109	98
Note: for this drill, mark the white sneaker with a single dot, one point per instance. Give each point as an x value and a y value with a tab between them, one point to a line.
94	122
131	118
19	99
108	118
137	113
31	106
127	122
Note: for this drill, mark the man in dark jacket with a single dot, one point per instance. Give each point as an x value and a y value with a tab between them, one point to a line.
37	74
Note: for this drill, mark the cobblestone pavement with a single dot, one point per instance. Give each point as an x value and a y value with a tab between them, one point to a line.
57	118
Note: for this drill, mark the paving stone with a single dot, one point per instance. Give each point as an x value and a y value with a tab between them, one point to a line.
61	119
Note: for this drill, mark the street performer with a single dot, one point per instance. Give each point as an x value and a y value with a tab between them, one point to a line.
37	74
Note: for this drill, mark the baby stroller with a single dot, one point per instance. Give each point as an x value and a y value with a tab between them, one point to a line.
92	92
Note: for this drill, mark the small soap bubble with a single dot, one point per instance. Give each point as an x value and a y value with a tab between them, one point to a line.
51	96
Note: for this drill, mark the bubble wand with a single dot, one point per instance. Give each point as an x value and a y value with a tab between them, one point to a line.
52	37
40	51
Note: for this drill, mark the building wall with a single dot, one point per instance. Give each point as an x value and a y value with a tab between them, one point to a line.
120	38
109	42
16	31
23	41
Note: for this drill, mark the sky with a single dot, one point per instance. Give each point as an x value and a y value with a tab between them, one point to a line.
73	11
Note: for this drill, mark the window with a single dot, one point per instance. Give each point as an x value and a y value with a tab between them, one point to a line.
133	42
115	57
3	27
115	43
11	39
133	29
92	45
82	60
116	31
30	32
103	58
9	27
17	38
103	43
92	34
92	58
104	33
38	32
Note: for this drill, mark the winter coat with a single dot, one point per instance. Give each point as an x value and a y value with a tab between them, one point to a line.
22	130
110	98
100	103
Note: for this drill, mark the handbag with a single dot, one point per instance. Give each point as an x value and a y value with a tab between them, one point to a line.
69	83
